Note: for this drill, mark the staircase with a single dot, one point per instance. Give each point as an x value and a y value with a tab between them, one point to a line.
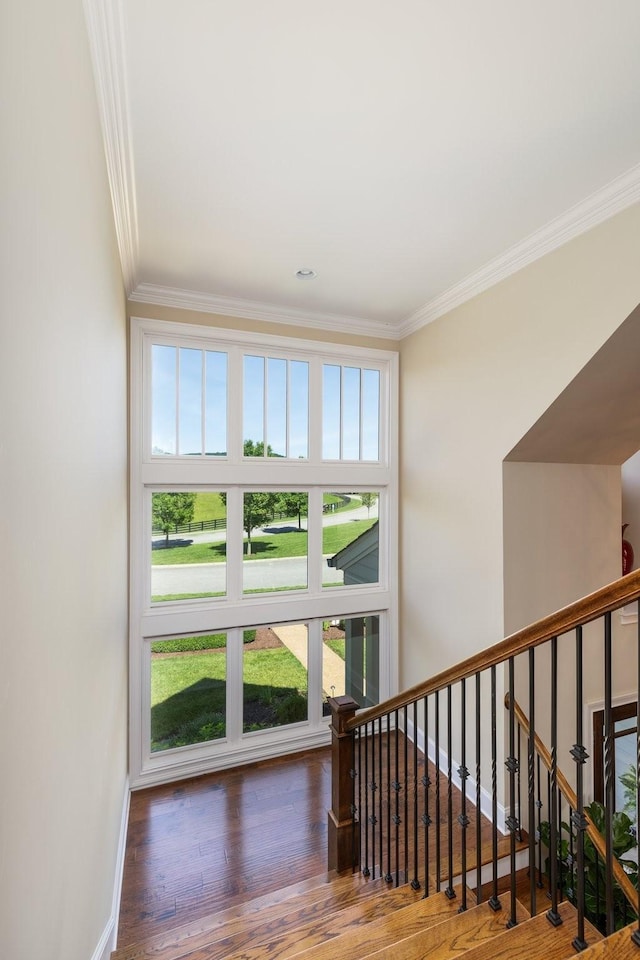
400	830
349	918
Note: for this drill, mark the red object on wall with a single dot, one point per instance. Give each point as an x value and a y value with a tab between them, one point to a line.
627	553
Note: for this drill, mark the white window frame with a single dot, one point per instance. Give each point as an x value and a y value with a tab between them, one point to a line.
237	473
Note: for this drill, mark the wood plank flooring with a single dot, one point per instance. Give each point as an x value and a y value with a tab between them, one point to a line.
208	843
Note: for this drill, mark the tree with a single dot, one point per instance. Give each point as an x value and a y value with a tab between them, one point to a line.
294	504
368	500
256	511
171	509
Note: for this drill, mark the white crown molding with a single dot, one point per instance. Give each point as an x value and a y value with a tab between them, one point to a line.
106	41
254	310
595	209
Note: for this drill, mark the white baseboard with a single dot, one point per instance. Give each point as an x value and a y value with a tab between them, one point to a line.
107	943
486	801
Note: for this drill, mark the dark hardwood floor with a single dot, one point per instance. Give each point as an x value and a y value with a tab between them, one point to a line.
211	842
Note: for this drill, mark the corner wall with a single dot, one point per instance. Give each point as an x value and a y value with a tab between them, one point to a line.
63	694
471	385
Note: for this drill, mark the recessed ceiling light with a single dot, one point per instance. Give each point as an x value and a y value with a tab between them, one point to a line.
305	273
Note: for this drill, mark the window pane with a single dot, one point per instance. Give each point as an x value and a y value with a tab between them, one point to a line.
188	546
298	409
253	407
190	402
276	408
163	399
216	404
370	415
275	544
188	691
330	412
350	659
625	767
274	676
350	539
350	413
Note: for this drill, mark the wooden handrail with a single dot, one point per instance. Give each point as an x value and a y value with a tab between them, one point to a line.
593	833
594	605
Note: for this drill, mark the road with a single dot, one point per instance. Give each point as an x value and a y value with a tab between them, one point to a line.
257	575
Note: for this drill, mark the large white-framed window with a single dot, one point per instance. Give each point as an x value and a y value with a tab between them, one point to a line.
263	542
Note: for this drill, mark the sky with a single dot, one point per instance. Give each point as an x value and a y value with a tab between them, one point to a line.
186	381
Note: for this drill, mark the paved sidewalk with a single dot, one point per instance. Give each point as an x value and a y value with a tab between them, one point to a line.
294	638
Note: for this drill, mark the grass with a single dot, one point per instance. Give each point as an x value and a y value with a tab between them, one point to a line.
338	646
188	695
209	506
275	546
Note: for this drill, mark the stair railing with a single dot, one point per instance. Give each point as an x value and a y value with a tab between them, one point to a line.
427	786
585	828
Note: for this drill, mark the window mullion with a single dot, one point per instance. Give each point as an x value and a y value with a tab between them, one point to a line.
234	544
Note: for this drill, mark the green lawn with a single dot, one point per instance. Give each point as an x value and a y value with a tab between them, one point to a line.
269	547
188	695
338	646
209	506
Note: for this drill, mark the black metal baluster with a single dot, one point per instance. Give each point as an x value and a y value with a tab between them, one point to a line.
426	783
381	790
635	936
578	819
415	883
396	817
560	860
519	782
463	773
552	915
609	777
531	797
539	828
478	798
438	825
405	781
374	790
549	814
391	785
366	871
355	807
571	893
449	891
494	901
512	767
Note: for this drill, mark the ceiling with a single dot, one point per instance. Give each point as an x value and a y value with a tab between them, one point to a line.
410	153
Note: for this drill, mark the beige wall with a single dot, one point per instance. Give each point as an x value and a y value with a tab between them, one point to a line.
63	696
471	385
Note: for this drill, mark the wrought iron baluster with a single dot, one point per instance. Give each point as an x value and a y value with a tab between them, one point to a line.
539	827
437	763
449	891
390	784
519	783
463	773
478	797
396	817
512	767
355	808
578	820
405	781
531	797
494	901
366	871
609	776
426	783
415	883
635	936
381	791
552	915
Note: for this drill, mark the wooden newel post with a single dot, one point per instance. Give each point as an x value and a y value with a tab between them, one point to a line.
343	852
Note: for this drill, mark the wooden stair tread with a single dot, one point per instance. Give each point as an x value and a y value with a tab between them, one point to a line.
536	939
403	934
343	934
619	946
370	910
322	898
